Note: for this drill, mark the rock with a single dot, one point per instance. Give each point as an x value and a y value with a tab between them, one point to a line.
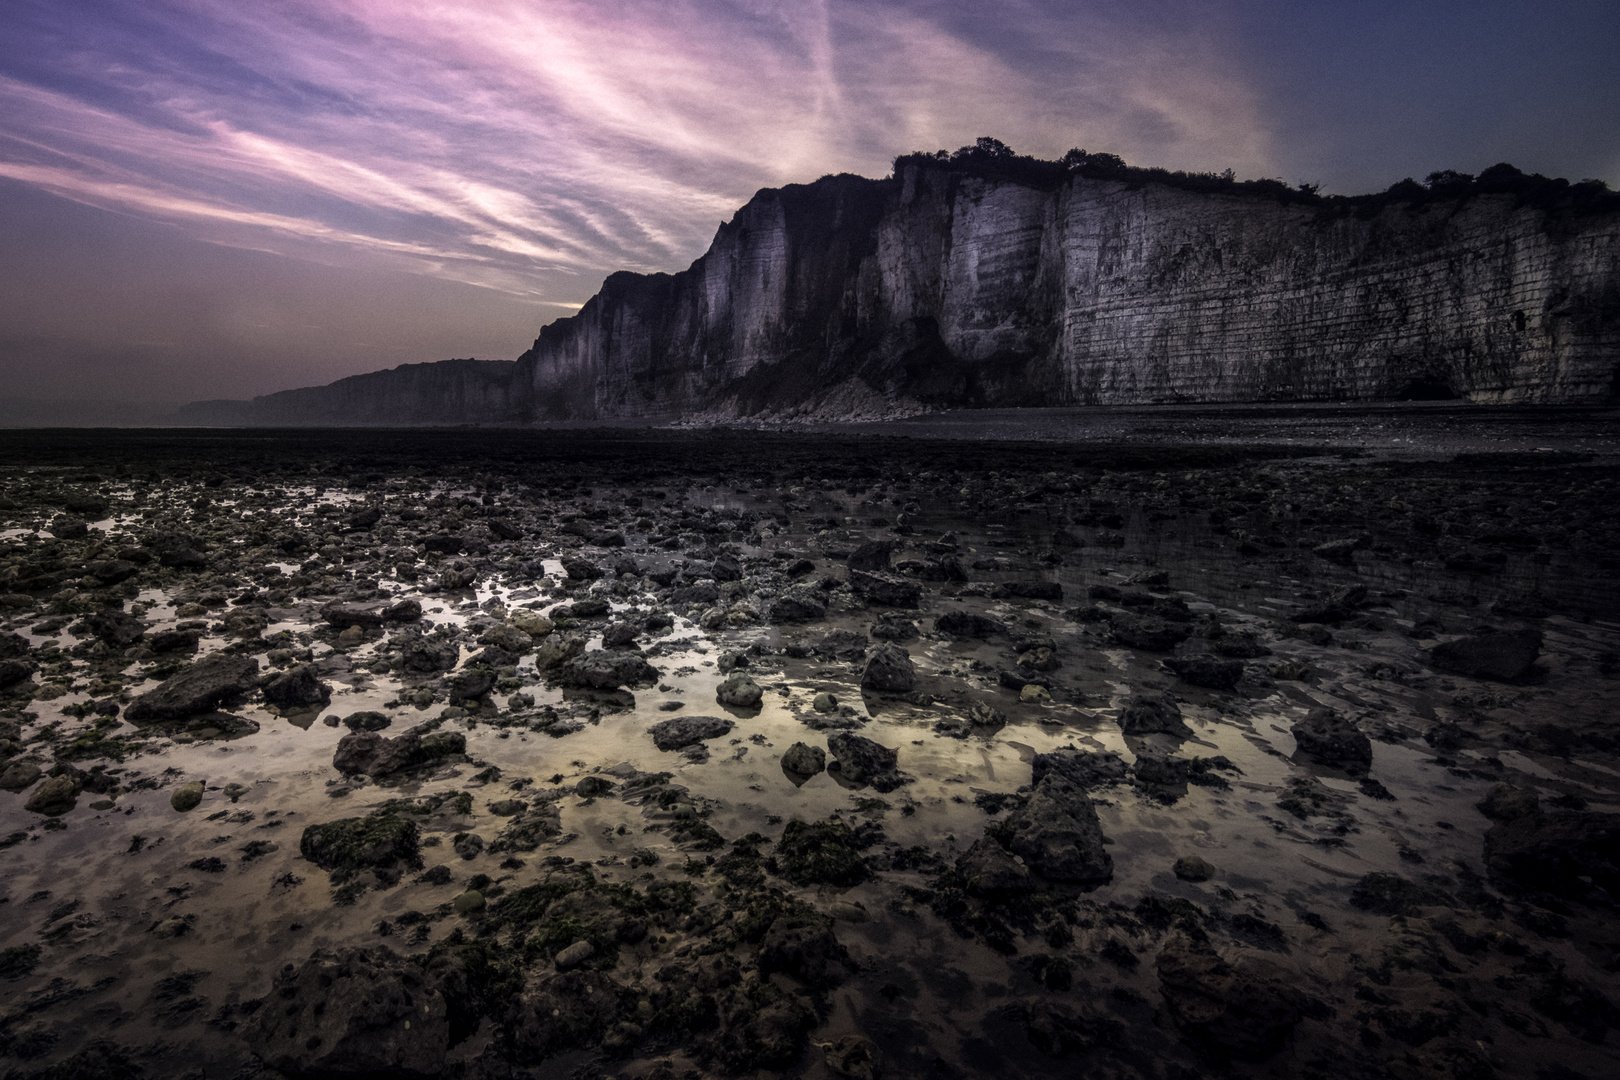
64	527
470	684
167	641
1057	833
1503	802
1390	894
887	589
1148	632
1213	672
1229	1010
599	669
820	853
574	955
297	688
1552	853
19	776
382	842
1193	868
403	611
1034	694
798	604
804	760
1152	712
352	1012
824	703
532	623
989	871
872	555
179	551
1084	770
861	761
1502	655
367	720
581	570
686	730
889	670
119	629
739	692
13	672
968	624
1162	771
846	645
56	796
617	635
893	626
209	683
187	796
1333	740
343	616
426	655
370	753
508	638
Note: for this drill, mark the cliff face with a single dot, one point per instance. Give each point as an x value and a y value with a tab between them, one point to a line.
947	289
447	392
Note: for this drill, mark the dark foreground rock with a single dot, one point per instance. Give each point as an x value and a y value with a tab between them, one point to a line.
1333	739
1152	712
1561	853
1057	833
685	731
209	683
889	670
297	688
1234	1011
352	1012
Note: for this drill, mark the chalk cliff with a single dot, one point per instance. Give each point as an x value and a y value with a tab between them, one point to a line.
951	289
972	281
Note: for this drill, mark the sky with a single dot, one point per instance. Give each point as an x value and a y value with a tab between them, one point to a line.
210	198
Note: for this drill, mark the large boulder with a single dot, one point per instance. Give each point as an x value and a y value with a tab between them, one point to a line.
1502	655
297	688
802	603
862	761
889	670
1057	833
888	589
1152	712
377	756
206	685
1237	1011
1083	769
685	731
1333	739
600	669
740	692
989	870
119	629
56	796
352	1012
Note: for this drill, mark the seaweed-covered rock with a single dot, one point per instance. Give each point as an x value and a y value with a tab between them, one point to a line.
600	669
1243	1012
1503	655
889	670
1152	712
384	843
862	761
1057	833
377	756
561	1010
1333	739
1508	802
14	671
209	683
686	730
19	776
1084	770
820	853
352	1012
296	688
56	796
988	870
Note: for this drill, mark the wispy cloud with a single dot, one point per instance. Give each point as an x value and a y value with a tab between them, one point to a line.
533	145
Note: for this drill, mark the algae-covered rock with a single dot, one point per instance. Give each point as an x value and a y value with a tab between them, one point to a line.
383	842
820	853
187	796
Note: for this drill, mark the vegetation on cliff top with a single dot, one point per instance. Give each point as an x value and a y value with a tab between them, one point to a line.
992	159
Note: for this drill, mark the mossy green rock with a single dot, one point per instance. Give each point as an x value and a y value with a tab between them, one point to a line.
350	845
468	902
187	796
820	853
